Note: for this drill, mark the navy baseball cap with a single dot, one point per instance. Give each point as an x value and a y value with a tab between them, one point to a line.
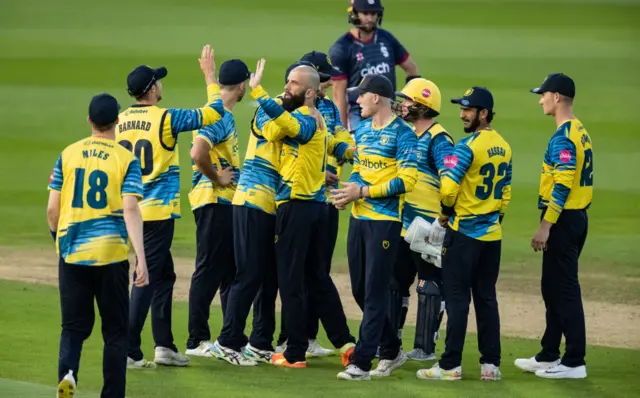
557	83
476	97
103	109
367	5
323	77
142	78
322	63
233	71
375	84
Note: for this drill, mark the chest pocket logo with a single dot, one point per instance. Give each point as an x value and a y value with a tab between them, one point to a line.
384	140
384	51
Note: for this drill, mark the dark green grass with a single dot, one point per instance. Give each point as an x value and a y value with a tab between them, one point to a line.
30	319
55	55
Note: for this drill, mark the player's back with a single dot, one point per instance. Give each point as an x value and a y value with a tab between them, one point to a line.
143	130
486	156
92	175
259	178
223	153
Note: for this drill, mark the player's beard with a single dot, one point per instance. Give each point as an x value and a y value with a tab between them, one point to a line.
475	123
294	102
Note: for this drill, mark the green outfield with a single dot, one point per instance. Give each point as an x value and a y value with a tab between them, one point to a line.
31	313
54	56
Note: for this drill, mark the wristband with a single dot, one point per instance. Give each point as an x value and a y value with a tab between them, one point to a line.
409	78
53	235
361	195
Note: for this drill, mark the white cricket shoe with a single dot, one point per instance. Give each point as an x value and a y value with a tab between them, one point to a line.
386	366
168	357
202	350
418	354
531	365
255	354
141	364
316	350
437	373
490	372
67	386
354	373
563	372
231	356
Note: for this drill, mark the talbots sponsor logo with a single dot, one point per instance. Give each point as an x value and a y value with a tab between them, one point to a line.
378	69
565	156
378	165
385	244
450	161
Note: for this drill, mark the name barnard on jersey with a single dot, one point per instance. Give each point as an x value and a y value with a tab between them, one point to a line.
134	125
378	69
378	165
496	151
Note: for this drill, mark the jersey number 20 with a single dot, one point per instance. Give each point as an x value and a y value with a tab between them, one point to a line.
143	147
96	195
483	192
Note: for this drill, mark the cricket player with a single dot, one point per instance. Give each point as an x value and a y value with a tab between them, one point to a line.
421	104
151	132
366	49
384	169
331	117
476	190
566	191
92	213
256	281
215	174
301	222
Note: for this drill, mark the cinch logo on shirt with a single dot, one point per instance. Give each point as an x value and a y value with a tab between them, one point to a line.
378	69
450	161
374	165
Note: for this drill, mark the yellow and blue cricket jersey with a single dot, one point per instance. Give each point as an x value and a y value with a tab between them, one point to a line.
304	150
385	161
151	133
331	116
92	175
476	187
223	141
259	178
434	145
567	171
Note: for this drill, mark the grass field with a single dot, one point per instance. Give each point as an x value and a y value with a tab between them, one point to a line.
55	55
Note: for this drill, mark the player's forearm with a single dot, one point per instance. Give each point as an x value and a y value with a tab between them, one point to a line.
343	135
291	127
557	201
506	199
397	186
133	222
53	210
340	99
449	192
410	67
203	163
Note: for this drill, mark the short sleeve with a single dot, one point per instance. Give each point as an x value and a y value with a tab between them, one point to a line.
339	59
133	180
56	178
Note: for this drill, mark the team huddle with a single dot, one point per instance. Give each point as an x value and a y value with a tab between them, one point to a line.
421	205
